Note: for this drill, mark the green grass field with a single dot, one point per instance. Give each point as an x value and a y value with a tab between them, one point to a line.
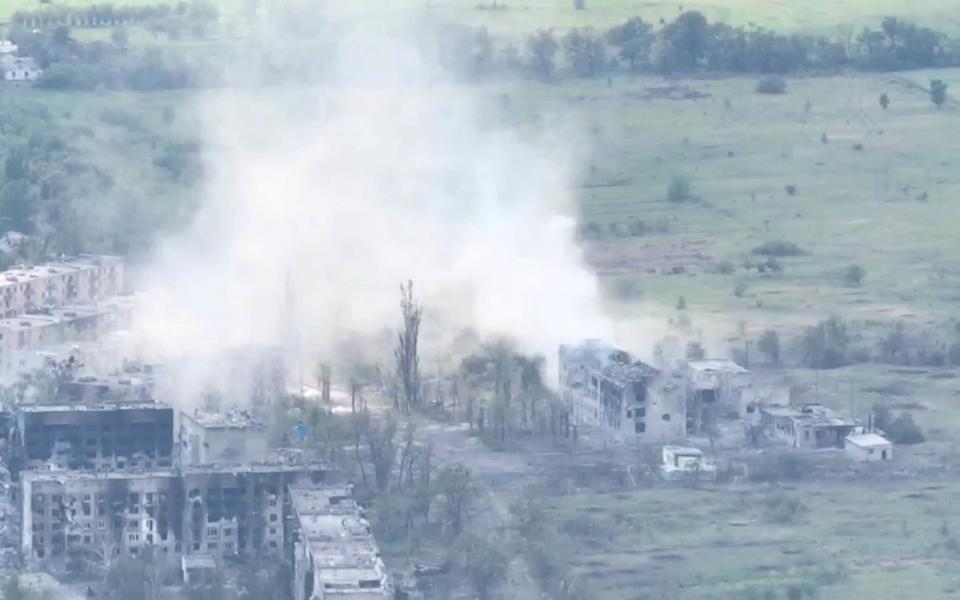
855	539
874	187
821	16
837	17
874	194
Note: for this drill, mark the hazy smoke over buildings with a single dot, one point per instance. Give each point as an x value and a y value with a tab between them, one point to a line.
321	200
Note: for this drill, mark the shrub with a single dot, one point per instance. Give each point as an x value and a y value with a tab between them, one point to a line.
824	345
791	189
769	345
772	85
627	288
938	92
637	228
725	267
591	231
740	290
681	303
778	248
903	430
695	351
771	265
854	274
783	509
680	189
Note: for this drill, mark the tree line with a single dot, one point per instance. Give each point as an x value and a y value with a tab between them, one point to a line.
107	14
691	44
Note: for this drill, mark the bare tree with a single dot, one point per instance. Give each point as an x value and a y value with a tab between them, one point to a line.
408	361
408	455
323	379
456	488
383	450
502	357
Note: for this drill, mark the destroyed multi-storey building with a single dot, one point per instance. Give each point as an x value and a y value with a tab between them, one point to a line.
715	388
28	341
208	437
86	278
211	510
93	436
808	426
334	552
624	399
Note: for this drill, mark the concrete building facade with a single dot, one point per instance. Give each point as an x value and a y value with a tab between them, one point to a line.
625	400
84	279
94	437
216	512
715	388
210	437
809	426
868	447
334	554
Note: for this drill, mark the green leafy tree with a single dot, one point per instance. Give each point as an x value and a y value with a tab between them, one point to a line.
824	345
456	489
17	206
686	40
542	47
854	275
769	345
680	189
633	41
584	51
938	92
483	562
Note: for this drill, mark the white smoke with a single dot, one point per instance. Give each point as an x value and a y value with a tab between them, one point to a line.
321	200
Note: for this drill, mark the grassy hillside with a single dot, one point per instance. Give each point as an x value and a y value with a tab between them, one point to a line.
804	15
522	16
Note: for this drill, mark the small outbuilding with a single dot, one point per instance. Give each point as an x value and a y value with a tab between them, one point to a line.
868	447
683	461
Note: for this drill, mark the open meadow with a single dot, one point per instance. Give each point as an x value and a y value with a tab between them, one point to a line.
710	212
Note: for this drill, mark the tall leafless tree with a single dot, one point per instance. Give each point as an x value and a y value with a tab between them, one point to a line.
408	361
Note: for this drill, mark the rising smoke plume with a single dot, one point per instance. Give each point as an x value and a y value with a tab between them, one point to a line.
321	199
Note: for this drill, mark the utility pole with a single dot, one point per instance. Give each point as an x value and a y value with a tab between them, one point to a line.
747	354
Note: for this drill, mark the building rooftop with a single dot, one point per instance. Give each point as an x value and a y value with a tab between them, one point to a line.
310	501
198	561
23	274
869	440
92	407
812	414
234	419
341	545
716	365
134	473
25	322
683	450
629	372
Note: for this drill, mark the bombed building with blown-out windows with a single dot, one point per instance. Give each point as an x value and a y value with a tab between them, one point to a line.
334	554
93	437
623	399
213	511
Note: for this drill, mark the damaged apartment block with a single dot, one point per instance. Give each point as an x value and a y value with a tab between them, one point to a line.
335	555
716	388
623	399
196	511
93	437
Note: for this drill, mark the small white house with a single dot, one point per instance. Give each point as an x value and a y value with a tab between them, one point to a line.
868	447
683	461
20	68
